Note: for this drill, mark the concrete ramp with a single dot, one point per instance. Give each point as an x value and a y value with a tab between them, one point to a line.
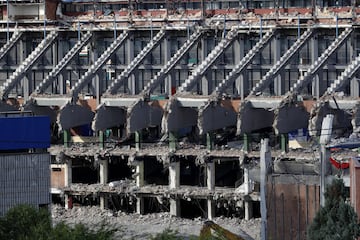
215	115
252	119
142	115
41	110
107	117
72	115
176	117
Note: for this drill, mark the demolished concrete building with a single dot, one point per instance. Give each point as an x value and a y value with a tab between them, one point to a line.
161	105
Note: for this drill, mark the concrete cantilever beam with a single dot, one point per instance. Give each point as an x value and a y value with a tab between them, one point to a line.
251	118
107	117
340	108
143	114
73	115
290	115
176	116
216	115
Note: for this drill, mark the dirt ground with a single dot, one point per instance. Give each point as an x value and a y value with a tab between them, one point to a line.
135	226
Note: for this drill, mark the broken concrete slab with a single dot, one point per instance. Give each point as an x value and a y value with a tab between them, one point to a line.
176	117
251	119
72	115
41	110
341	122
107	117
141	115
215	115
290	116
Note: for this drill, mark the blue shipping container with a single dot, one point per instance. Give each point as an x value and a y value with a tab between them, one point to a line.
24	132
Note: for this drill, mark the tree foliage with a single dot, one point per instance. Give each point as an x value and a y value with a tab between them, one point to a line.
337	220
24	222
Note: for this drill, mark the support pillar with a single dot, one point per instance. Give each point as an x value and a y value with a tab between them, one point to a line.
174	182
247	140
67	183
354	87
284	142
102	139
210	182
265	161
138	140
209	141
67	138
139	183
248	205
104	173
172	141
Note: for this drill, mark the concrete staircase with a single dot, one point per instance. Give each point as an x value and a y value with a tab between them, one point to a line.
63	63
154	82
89	74
26	65
244	62
319	63
12	41
282	62
115	85
208	61
345	76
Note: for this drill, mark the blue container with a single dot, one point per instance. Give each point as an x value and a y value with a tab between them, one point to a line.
24	132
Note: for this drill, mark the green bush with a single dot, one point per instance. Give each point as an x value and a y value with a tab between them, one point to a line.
24	222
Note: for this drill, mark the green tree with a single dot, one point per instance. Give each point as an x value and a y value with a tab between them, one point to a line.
337	220
24	222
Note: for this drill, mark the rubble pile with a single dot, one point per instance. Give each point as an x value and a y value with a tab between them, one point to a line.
135	226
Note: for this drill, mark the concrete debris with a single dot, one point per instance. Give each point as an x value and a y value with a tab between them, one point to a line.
135	226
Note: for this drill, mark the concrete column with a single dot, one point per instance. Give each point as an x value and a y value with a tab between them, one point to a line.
248	205
67	138
102	139
265	160
318	84
314	56
210	183
172	141
244	84
139	183
354	87
210	141
130	57
138	139
203	55
167	57
247	142
104	173
278	80
284	142
174	182
67	182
